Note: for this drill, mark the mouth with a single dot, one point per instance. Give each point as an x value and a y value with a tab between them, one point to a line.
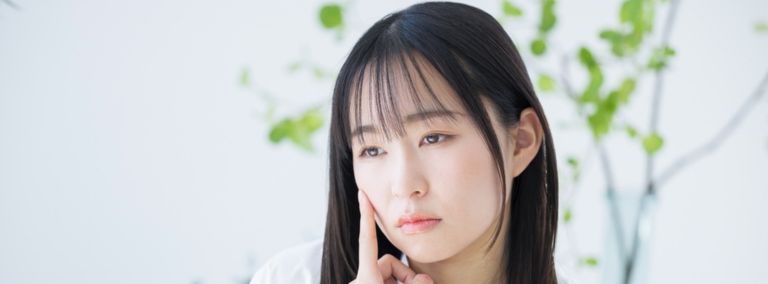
419	226
417	223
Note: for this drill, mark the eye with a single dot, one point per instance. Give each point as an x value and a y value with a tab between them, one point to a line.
434	138
371	152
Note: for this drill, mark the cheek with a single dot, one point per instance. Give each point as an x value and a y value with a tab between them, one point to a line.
371	181
472	192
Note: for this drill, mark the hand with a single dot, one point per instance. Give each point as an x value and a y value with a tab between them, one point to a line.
386	269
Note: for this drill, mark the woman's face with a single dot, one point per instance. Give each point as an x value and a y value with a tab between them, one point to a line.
441	170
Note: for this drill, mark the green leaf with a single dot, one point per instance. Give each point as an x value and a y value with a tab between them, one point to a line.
546	83
649	14
631	131
319	72
511	9
610	35
586	58
600	122
611	103
617	40
548	18
538	46
626	89
652	143
660	58
281	130
655	64
601	119
590	261
312	120
245	77
761	27
299	130
573	163
592	92
636	19
567	215
331	16
294	67
668	51
300	137
630	9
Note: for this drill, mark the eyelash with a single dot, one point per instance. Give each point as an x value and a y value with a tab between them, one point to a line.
363	153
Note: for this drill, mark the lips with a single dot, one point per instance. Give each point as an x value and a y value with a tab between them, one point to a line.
417	223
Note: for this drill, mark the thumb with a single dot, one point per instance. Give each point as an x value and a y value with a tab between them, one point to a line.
421	279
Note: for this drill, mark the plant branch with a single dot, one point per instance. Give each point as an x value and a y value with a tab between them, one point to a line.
614	206
606	168
650	186
10	3
657	91
719	137
564	64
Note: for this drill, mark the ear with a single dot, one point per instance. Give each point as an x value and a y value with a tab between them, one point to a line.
527	136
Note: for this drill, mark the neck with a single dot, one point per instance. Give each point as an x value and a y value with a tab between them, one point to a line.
474	264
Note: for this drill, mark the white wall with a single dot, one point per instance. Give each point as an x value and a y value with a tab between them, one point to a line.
129	154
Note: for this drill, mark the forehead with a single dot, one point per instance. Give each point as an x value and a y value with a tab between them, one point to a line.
389	90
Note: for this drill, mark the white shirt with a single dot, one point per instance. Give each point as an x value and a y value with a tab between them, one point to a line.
301	265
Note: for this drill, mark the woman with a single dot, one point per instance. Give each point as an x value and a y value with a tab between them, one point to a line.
442	165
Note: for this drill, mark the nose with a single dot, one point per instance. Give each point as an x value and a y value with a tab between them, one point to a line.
408	178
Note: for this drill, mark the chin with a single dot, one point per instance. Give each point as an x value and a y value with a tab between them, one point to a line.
424	250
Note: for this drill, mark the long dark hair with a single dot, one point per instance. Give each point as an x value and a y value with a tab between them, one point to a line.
477	58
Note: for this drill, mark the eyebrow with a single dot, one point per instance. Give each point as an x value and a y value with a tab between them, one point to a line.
419	116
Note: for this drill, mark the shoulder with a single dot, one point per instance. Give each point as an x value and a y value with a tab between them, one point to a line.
299	264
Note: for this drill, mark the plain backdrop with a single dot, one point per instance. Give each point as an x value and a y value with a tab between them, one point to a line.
129	153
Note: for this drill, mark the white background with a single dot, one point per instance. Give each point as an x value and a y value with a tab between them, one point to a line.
130	154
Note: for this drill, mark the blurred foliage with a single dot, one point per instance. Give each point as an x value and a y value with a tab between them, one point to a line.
761	27
575	167
547	21
567	216
589	261
511	10
636	18
298	130
659	58
546	83
331	16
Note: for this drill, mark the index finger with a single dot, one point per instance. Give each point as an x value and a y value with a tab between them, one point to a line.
368	247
